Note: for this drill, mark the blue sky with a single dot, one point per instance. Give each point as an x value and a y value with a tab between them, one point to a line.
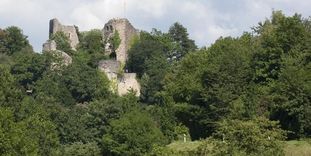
206	20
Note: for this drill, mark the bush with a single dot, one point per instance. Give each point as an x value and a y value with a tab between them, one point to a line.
81	149
254	137
133	134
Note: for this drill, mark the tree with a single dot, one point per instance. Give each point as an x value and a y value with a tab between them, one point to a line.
208	83
14	140
12	40
92	42
277	36
133	134
81	149
115	41
29	67
85	83
51	85
290	97
180	35
281	65
3	42
62	42
253	137
148	59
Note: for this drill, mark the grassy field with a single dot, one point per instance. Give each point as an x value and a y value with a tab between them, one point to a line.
181	146
298	148
292	148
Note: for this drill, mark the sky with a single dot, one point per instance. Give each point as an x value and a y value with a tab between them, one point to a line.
206	20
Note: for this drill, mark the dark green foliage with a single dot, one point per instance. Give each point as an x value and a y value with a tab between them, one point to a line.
133	134
211	82
81	149
277	37
52	85
145	49
62	42
24	126
29	67
282	63
91	47
226	93
3	42
12	40
115	40
92	42
291	97
147	58
180	35
9	92
254	137
85	83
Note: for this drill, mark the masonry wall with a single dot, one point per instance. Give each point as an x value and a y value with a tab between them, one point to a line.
128	82
70	31
126	31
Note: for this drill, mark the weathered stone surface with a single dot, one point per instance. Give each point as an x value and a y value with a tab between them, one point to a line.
126	31
110	67
128	82
121	83
70	31
49	45
67	60
63	59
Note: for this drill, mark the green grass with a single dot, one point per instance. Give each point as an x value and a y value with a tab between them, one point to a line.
298	148
292	148
184	146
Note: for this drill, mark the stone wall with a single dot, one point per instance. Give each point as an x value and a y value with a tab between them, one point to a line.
128	82
70	31
121	82
49	45
126	31
110	67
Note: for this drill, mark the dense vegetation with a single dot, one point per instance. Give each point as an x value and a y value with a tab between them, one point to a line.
242	95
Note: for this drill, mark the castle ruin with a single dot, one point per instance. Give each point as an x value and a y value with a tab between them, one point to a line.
126	33
69	31
115	68
121	81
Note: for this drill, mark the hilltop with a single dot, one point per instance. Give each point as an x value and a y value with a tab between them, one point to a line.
119	91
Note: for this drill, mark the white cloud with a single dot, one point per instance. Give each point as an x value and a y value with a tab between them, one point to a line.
206	20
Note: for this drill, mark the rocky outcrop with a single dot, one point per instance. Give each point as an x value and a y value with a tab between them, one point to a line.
126	33
70	31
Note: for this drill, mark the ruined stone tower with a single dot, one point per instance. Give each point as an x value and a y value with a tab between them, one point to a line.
70	31
126	33
121	81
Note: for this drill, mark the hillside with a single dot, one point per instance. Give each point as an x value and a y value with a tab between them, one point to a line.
122	91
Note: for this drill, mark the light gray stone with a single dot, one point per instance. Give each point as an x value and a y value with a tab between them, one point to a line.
49	45
70	31
126	32
128	82
110	67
